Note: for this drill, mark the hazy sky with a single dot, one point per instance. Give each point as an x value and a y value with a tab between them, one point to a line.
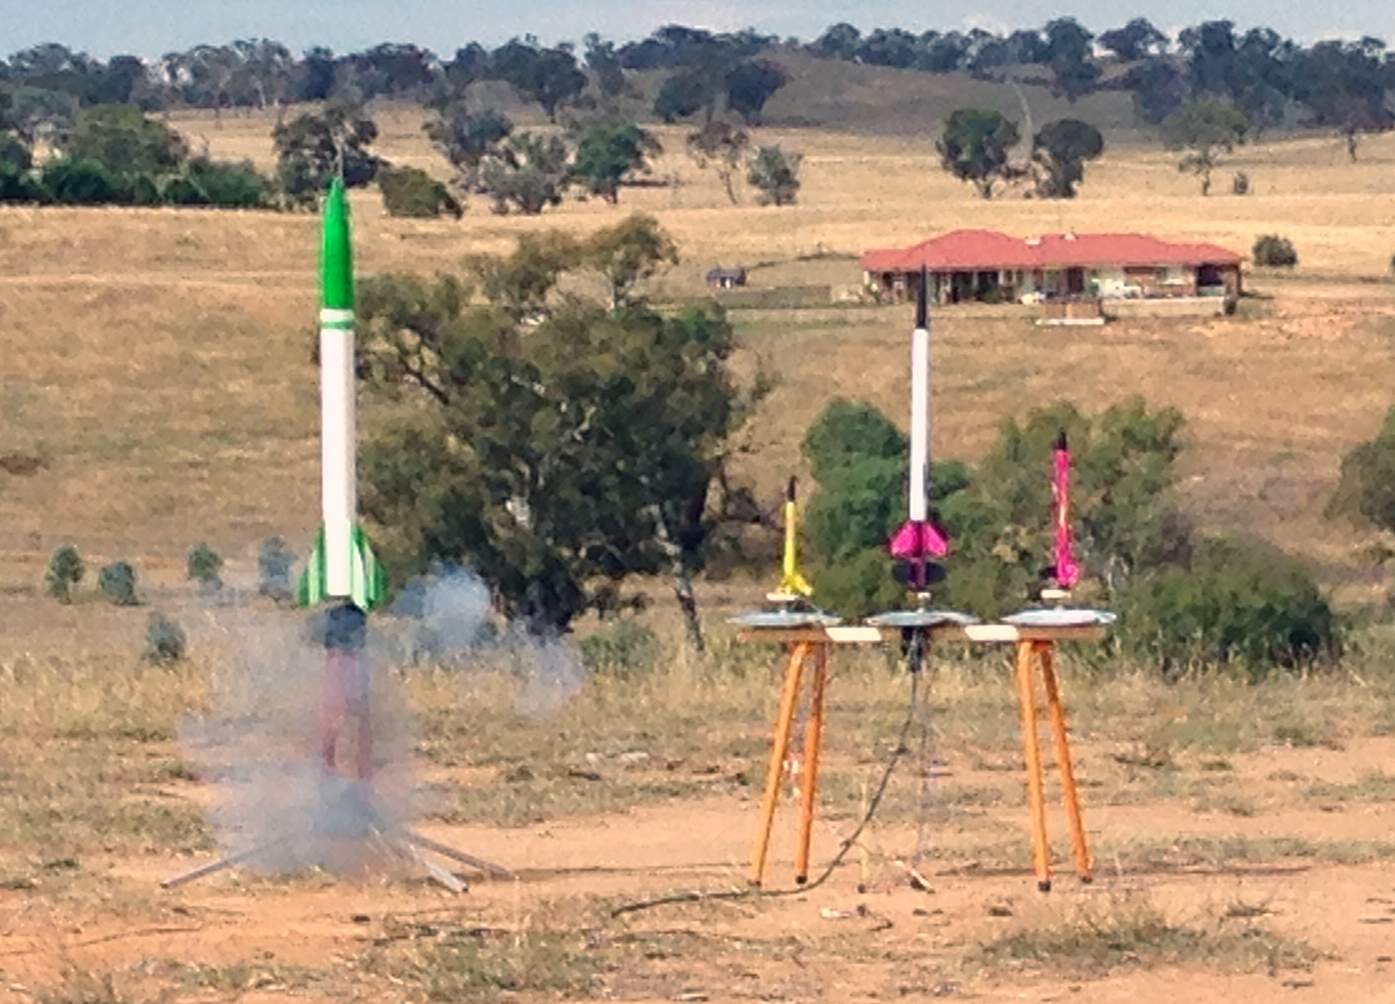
151	27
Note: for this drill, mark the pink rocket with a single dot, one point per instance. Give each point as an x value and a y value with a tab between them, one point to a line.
1067	570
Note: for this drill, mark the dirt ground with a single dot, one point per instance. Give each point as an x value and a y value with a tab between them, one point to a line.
1318	913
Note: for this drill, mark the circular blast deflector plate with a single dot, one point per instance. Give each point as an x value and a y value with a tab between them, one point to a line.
1061	617
921	619
785	619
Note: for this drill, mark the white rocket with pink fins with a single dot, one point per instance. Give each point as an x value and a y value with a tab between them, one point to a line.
920	540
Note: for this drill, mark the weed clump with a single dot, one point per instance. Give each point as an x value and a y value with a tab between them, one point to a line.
65	570
117	582
165	641
1275	251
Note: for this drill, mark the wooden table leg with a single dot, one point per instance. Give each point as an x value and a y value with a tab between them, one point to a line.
1037	803
813	742
789	698
1083	865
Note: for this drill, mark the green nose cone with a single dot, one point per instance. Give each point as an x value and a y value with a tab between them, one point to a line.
336	252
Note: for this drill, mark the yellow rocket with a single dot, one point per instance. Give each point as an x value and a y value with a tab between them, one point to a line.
793	586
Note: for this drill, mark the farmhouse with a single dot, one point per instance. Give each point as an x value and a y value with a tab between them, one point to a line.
987	266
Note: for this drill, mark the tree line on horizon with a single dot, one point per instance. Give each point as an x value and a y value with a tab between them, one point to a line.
1208	91
1275	82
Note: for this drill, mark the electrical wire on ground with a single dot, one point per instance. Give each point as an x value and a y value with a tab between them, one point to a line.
846	845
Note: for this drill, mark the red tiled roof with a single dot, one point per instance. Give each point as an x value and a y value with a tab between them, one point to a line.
966	250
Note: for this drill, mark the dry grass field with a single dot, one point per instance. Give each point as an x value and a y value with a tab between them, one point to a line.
156	364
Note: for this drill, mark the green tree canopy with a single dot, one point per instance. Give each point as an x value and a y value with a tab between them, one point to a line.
610	153
123	140
556	455
975	146
750	85
1206	129
775	175
548	76
1059	152
721	147
315	146
683	95
467	138
1135	40
1366	489
527	172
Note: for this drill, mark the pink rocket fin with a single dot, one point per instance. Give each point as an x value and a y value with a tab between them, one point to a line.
919	539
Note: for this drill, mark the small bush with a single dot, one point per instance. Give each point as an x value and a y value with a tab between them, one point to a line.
624	648
20	186
859	585
1240	184
274	561
229	184
1273	250
82	183
413	193
226	184
14	154
117	582
165	641
65	570
203	565
1237	601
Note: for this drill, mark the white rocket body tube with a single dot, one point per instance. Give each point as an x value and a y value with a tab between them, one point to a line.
920	422
338	448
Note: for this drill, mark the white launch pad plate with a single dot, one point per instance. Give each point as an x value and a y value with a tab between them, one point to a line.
784	619
1055	617
921	618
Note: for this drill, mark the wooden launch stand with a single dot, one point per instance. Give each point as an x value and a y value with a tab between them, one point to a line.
806	645
1035	649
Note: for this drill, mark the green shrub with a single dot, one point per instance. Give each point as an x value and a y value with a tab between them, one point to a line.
227	184
117	582
82	183
141	190
1237	601
203	565
20	186
623	648
274	561
14	154
165	641
986	586
859	584
65	570
230	184
1366	488
1273	250
410	192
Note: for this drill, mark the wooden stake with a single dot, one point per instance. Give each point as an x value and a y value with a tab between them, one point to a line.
1037	803
813	744
1046	652
778	748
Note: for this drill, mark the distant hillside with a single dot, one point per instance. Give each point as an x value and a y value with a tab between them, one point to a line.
841	96
834	94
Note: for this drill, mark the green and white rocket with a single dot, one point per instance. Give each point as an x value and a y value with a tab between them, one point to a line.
342	566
